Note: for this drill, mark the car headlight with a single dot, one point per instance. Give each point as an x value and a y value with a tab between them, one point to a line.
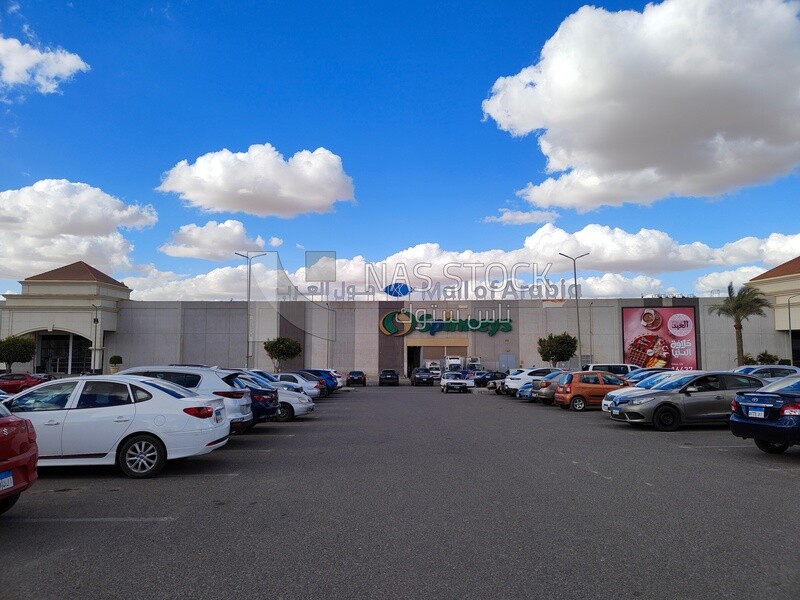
638	401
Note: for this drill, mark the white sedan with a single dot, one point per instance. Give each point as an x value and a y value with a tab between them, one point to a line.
137	423
293	405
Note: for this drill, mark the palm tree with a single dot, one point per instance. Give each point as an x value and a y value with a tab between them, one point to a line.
740	306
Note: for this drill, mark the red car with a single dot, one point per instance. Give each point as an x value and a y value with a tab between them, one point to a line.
18	456
16	382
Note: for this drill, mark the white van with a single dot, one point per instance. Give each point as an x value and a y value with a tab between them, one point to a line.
615	368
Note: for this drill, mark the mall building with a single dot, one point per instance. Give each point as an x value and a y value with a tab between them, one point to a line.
80	317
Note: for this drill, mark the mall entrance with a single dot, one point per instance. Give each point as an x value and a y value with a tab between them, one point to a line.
63	353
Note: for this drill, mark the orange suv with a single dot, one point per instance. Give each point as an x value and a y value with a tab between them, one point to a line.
585	388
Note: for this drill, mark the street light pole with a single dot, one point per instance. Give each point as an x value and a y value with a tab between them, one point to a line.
577	304
249	258
789	312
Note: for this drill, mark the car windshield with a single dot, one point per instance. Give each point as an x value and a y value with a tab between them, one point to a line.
4	412
745	369
554	375
673	383
787	385
267	376
262	381
516	372
653	380
356	373
423	371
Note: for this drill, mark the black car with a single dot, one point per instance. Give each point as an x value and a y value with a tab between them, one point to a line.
482	378
388	377
421	376
769	416
356	378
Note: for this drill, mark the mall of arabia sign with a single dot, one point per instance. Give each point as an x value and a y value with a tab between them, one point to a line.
400	322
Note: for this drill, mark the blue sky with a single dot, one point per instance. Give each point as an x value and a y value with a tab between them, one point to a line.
155	139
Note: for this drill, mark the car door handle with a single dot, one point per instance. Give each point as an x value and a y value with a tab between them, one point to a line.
121	420
51	423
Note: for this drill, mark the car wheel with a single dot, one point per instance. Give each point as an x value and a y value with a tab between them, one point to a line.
666	418
142	456
7	503
765	446
578	403
285	413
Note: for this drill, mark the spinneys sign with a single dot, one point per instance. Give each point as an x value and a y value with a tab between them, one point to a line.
399	323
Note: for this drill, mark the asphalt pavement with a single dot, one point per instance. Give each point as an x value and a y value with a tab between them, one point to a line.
410	493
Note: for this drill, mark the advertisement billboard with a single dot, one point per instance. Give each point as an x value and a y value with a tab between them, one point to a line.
660	337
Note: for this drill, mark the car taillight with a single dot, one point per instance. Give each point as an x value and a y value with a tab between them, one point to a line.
734	406
316	386
259	397
230	394
543	384
31	431
791	410
201	412
567	389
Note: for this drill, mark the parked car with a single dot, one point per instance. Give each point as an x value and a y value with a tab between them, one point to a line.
514	382
770	416
421	376
313	388
325	387
287	404
356	378
263	397
547	388
388	377
330	379
436	372
613	368
284	385
337	376
578	391
768	373
638	375
694	398
500	387
482	378
18	457
525	392
455	381
16	382
623	395
136	423
206	381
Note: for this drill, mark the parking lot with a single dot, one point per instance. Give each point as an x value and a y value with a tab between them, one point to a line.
405	492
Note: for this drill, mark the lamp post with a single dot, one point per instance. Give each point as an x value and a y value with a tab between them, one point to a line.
789	313
577	298
249	258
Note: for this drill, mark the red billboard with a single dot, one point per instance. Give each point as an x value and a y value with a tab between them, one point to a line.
660	337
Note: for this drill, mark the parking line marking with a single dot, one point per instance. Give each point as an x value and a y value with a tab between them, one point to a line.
98	520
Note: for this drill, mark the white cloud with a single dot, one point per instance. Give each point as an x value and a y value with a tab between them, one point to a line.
719	280
260	182
212	241
515	217
22	65
55	222
686	98
614	285
275	242
225	283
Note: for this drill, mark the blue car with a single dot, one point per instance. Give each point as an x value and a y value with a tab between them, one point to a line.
526	392
330	379
263	397
769	416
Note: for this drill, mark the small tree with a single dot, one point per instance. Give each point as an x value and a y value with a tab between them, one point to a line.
765	358
16	349
282	349
557	348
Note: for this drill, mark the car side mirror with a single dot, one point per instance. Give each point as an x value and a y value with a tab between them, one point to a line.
691	389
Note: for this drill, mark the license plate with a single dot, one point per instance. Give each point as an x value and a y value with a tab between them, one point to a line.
6	480
614	411
218	415
757	413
